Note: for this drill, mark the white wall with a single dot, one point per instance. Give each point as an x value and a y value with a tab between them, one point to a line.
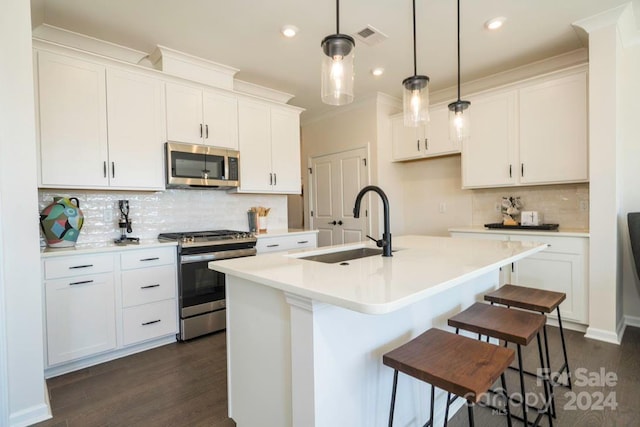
20	288
630	137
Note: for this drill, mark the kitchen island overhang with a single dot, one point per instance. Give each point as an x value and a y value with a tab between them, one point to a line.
305	339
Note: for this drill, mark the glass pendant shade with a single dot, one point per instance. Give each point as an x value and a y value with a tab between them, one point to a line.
415	100
459	121
337	69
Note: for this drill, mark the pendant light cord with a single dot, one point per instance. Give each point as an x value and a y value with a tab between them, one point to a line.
415	69
458	50
337	16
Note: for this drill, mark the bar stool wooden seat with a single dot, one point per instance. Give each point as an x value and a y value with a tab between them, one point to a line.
456	364
539	300
515	326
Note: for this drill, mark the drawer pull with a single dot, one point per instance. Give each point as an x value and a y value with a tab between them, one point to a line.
303	242
150	286
151	322
81	283
275	245
80	266
155	258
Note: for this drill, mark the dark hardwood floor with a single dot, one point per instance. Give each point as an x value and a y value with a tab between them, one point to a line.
184	384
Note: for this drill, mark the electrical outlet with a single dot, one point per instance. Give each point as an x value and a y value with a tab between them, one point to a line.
443	207
107	212
584	205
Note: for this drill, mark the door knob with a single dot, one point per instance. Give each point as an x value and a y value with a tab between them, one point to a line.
339	222
332	223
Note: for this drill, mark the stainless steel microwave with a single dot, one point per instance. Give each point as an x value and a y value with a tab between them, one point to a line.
197	166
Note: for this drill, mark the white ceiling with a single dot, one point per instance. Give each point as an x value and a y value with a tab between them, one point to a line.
245	34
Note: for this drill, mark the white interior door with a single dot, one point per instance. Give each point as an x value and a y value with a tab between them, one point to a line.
336	179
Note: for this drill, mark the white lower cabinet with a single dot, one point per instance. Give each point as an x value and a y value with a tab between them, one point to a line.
100	304
80	316
286	242
562	267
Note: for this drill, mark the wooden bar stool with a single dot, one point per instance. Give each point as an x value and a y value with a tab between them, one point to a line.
515	326
539	300
456	364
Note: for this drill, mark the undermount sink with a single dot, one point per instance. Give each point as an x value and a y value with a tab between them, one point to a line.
341	256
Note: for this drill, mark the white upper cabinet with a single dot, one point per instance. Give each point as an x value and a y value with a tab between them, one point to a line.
79	147
135	123
429	140
489	155
553	131
269	139
529	134
199	116
71	97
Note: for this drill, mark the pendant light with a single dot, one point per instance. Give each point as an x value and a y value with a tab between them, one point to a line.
337	66
459	110
415	98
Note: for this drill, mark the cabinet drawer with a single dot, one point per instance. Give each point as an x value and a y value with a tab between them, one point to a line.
148	258
149	321
569	245
147	285
80	265
286	243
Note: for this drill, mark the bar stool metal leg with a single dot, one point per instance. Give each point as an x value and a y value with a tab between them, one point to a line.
393	396
548	391
503	381
548	371
523	395
470	412
564	350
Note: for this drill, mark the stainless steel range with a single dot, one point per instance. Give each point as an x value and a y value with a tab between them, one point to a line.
201	290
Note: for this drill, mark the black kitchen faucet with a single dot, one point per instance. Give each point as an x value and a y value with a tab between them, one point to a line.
385	242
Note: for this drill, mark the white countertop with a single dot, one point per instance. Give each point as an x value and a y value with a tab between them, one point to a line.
92	248
284	232
421	266
566	232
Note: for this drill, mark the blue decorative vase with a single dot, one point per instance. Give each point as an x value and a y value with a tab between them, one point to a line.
61	222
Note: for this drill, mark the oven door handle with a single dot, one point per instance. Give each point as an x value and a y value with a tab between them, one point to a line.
214	256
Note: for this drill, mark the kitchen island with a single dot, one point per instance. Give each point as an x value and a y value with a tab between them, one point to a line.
305	339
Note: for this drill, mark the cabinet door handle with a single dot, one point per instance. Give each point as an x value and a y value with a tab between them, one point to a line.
332	222
151	322
521	169
206	127
113	169
155	258
157	285
418	145
426	143
275	245
302	242
200	130
512	268
271	179
104	168
83	282
510	176
275	179
73	267
339	222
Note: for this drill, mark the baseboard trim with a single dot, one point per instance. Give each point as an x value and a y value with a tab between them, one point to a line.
106	357
567	324
632	321
606	336
30	416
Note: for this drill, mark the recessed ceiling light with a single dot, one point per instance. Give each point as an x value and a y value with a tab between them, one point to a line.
377	71
289	31
495	23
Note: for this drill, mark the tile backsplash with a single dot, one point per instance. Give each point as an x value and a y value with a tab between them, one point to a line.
167	211
564	204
